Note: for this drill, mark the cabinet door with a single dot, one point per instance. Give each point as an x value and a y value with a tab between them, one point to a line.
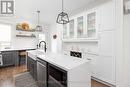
65	31
30	66
106	43
71	28
8	58
106	59
106	69
107	16
92	24
16	57
94	63
81	27
35	70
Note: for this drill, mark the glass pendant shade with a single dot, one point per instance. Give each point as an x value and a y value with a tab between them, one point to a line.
63	18
38	27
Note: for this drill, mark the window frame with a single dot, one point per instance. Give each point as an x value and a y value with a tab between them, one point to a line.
6	42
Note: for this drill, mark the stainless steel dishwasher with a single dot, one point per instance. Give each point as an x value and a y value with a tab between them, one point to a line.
41	73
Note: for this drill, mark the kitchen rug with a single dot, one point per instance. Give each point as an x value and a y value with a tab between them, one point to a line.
24	80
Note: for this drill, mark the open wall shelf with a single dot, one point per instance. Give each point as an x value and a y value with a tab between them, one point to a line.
29	30
31	36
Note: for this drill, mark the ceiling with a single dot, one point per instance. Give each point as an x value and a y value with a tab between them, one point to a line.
49	8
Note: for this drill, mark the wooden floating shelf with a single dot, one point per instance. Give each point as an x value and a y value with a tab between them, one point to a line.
29	30
26	30
26	36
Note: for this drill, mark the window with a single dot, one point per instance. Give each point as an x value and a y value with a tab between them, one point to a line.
41	37
5	35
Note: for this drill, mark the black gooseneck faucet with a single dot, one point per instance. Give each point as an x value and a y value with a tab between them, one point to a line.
45	48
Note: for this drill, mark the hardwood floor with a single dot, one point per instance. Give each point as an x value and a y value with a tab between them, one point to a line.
7	74
97	84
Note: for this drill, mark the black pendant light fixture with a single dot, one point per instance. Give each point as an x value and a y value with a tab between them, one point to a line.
38	27
63	17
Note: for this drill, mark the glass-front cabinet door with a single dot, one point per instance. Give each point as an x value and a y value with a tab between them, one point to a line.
71	29
80	27
91	24
65	31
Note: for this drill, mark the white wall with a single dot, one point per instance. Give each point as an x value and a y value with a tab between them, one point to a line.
19	42
127	50
53	41
55	45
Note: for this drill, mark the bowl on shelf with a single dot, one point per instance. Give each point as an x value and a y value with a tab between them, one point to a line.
25	26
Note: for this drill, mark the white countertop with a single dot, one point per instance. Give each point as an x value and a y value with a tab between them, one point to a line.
63	61
14	49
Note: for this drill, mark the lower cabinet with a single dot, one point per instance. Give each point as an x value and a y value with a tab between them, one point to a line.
32	67
105	68
8	58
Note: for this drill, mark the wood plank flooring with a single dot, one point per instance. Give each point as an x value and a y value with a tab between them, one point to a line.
7	74
97	84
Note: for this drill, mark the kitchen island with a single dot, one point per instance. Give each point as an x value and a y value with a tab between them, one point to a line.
72	71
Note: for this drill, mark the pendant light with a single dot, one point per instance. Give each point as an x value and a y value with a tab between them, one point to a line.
63	17
38	27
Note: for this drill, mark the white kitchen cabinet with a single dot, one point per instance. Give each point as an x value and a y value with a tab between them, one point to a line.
83	27
103	62
94	63
106	43
71	28
65	31
106	59
105	69
80	26
92	23
102	67
107	16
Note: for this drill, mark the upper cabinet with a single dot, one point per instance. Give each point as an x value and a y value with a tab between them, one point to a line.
107	16
71	29
65	31
82	27
68	30
92	24
85	26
